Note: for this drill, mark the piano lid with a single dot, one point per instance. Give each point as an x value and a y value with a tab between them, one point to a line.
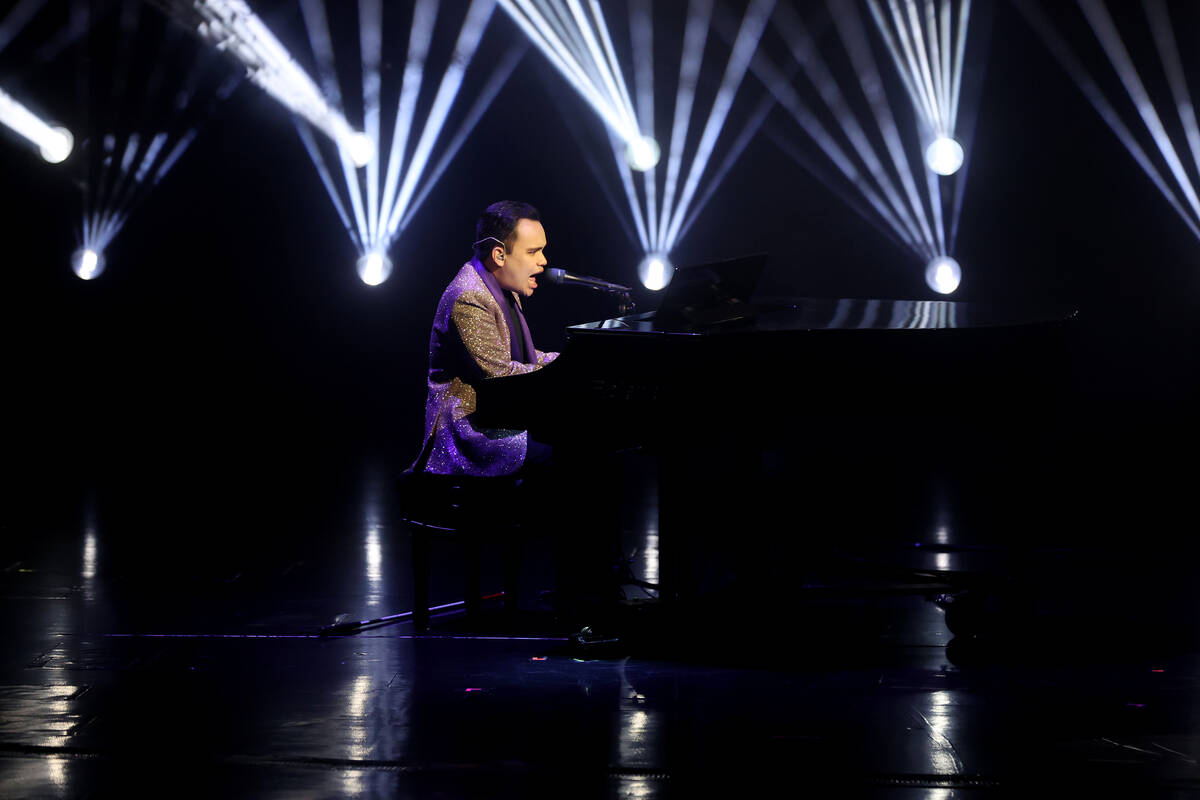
817	313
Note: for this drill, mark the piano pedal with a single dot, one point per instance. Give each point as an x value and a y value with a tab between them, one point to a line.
637	594
653	587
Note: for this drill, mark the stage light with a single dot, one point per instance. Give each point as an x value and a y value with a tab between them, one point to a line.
374	268
944	155
655	271
361	149
643	153
54	143
87	263
943	274
928	54
56	147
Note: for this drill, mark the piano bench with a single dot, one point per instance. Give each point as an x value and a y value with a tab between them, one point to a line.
471	509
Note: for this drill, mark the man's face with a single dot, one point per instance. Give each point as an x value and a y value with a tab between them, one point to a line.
516	270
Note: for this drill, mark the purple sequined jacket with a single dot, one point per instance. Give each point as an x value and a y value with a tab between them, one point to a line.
470	342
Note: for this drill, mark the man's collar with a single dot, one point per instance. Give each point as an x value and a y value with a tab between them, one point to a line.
489	280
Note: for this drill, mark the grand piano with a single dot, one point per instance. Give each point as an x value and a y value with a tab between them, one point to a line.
795	423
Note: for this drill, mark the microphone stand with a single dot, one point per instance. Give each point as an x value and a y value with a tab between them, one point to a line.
624	294
625	304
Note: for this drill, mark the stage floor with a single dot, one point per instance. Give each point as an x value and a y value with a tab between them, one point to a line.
161	636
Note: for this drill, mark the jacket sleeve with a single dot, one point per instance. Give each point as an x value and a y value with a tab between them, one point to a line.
484	339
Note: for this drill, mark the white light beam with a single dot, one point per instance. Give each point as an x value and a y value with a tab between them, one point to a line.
468	41
927	52
804	50
375	205
1071	64
230	26
579	46
853	36
1110	39
55	143
695	35
17	18
744	48
1164	38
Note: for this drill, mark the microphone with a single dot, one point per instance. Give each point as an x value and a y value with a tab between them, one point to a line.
563	278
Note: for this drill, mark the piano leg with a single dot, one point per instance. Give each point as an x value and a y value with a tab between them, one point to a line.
710	527
582	519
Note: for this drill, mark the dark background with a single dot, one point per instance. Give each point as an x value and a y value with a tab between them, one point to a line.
231	330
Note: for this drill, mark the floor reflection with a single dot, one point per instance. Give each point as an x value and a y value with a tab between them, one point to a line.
121	650
376	699
41	716
56	772
374	558
939	721
357	733
639	728
374	531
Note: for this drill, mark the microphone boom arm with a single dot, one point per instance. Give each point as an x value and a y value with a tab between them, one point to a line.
624	294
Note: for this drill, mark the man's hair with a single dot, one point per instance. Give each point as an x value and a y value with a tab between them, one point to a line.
498	223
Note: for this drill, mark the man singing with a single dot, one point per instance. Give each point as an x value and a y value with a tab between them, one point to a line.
480	332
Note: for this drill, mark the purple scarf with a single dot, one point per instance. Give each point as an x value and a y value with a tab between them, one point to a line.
518	333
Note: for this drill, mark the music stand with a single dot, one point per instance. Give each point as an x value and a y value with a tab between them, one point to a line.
702	295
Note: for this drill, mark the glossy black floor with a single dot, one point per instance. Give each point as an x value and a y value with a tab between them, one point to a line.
161	617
